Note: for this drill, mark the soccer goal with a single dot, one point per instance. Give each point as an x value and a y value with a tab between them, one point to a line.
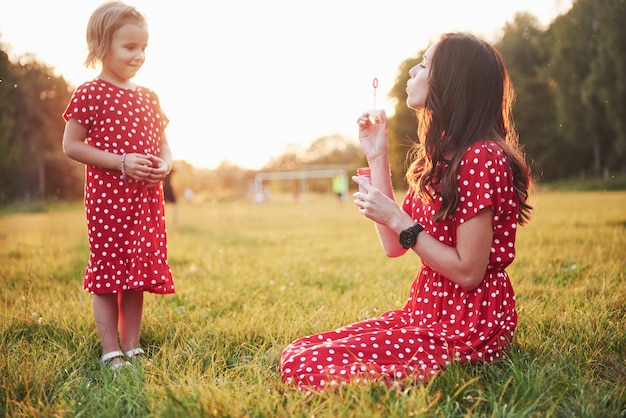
302	176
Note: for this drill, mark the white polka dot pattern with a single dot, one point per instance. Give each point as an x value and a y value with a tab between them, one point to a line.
125	218
440	322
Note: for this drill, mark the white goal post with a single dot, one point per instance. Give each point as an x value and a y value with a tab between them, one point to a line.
302	176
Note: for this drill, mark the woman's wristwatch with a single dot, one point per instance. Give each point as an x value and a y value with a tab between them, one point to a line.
408	237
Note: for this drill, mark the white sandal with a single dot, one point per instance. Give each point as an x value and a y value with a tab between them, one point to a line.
137	351
108	357
137	356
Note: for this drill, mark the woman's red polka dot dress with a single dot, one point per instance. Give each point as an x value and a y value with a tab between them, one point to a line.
440	323
125	218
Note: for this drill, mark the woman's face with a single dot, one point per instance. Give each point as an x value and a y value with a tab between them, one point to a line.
417	85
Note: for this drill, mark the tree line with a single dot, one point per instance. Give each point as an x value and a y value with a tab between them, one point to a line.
570	81
570	113
32	163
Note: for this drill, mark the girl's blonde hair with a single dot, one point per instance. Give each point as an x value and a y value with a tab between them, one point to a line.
103	23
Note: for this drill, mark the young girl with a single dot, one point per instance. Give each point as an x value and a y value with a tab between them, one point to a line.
469	186
117	130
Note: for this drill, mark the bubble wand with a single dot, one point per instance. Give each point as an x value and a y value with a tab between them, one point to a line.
374	115
375	85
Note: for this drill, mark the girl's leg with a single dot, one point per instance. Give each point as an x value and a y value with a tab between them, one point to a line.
130	314
106	316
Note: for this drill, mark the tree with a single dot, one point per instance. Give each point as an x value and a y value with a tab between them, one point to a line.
334	150
41	98
9	148
327	150
578	96
525	55
402	125
32	100
605	87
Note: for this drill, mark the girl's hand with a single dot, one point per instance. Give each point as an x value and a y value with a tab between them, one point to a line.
373	135
158	171
137	166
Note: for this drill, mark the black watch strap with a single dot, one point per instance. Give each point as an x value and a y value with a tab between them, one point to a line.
408	237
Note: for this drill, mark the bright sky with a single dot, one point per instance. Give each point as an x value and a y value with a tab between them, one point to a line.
244	80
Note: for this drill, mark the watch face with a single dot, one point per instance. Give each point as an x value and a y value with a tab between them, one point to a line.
407	239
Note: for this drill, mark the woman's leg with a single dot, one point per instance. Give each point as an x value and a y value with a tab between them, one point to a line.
383	349
130	314
105	313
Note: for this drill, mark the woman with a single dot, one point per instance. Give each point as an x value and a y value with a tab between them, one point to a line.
468	191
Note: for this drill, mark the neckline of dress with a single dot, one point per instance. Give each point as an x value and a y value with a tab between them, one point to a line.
101	80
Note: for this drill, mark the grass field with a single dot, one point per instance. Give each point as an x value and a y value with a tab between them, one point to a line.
252	278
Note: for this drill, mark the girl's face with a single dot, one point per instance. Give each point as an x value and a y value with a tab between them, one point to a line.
126	53
417	85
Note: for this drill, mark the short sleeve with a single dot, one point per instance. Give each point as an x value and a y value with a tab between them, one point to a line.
81	107
156	104
408	202
484	180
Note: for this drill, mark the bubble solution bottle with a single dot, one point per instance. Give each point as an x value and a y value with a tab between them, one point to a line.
365	173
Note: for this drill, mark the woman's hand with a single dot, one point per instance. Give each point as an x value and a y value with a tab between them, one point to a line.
373	134
379	207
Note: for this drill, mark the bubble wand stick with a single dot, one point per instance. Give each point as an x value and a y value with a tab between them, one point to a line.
375	85
374	115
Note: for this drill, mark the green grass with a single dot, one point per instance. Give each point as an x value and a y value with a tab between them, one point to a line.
252	278
611	183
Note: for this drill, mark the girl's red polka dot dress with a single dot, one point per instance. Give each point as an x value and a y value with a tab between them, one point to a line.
440	323
125	218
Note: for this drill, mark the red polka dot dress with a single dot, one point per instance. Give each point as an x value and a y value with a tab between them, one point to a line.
125	218
440	323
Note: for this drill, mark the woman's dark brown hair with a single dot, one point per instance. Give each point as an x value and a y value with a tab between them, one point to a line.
470	99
